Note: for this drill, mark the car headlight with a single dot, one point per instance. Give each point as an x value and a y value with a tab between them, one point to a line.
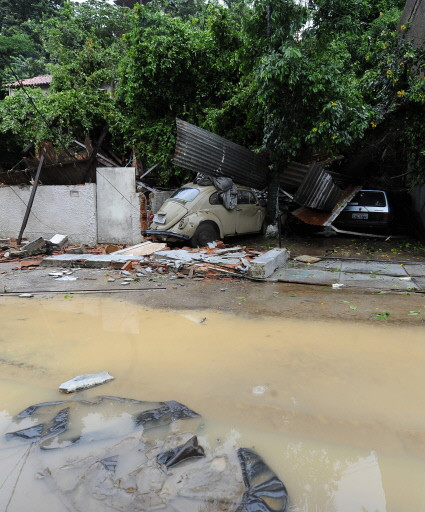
182	223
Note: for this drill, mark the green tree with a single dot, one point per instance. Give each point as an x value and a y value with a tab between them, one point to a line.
174	68
84	45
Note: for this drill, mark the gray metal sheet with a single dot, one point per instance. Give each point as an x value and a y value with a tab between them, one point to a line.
202	151
293	175
318	218
318	189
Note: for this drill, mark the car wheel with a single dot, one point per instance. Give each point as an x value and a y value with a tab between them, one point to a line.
205	232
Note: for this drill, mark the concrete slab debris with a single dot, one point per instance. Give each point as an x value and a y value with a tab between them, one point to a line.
87	260
58	241
263	266
143	249
35	245
86	381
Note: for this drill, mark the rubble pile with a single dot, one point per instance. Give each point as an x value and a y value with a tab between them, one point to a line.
148	260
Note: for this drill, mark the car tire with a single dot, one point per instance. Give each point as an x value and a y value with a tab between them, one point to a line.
205	232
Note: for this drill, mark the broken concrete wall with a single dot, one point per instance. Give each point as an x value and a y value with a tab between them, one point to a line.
67	209
158	198
118	206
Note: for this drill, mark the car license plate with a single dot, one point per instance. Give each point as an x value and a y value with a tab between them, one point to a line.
359	216
159	219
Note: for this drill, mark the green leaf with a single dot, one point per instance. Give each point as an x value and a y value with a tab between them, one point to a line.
381	316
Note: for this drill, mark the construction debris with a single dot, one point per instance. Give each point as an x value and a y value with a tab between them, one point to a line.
143	249
58	241
307	259
263	266
38	246
85	381
143	261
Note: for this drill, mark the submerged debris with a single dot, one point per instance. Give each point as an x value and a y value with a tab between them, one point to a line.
120	454
85	381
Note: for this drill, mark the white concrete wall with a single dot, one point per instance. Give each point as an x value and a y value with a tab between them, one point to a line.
118	206
65	209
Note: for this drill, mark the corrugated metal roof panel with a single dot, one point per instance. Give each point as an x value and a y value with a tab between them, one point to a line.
318	189
293	175
317	218
202	151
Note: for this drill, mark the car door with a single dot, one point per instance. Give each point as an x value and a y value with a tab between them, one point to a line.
250	214
226	217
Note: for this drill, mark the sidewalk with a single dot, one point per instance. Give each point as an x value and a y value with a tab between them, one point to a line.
355	273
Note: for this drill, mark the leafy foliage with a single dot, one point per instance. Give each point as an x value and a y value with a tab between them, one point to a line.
269	74
173	68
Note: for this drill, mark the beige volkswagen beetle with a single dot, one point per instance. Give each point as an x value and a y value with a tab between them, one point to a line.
195	214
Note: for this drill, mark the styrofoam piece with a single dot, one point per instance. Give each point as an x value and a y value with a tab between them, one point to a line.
85	381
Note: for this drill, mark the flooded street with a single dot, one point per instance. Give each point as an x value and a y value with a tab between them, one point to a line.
335	409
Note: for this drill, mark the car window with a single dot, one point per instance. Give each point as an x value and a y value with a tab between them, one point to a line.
185	194
246	197
368	198
216	198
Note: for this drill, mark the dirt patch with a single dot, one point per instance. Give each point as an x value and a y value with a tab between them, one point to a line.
393	249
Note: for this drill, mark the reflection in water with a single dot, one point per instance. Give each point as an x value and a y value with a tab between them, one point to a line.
315	399
332	483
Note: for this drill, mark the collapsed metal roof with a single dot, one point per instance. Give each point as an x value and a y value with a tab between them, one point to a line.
293	175
318	189
320	218
202	151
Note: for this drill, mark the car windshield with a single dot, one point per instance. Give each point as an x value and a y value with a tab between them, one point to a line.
368	198
185	194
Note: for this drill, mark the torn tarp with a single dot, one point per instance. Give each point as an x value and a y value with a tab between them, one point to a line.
229	191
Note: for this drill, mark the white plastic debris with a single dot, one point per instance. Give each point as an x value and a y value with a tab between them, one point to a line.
259	390
336	286
212	245
27	295
66	278
85	381
272	231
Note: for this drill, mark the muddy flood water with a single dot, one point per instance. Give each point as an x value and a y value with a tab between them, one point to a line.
336	410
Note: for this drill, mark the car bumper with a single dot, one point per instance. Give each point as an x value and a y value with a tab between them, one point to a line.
165	235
